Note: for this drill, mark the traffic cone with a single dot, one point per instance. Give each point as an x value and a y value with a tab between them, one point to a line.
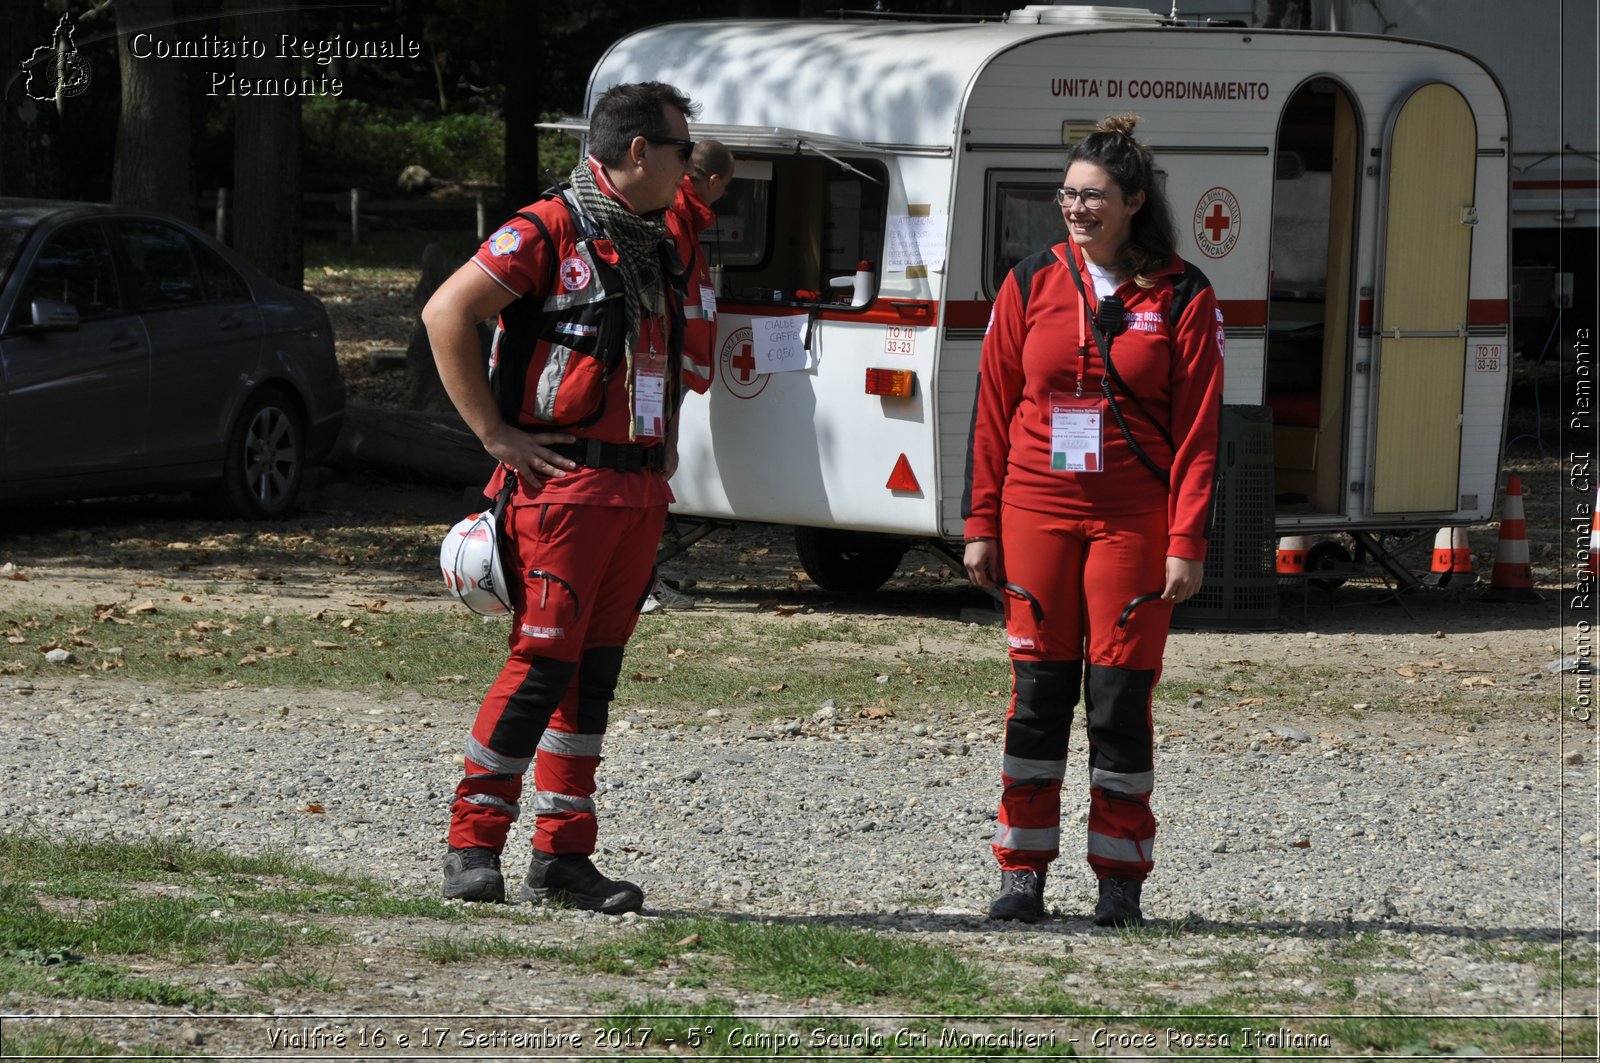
1512	578
1443	563
1461	558
1292	555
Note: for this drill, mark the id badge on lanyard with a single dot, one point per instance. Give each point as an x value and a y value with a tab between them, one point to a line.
1076	433
650	383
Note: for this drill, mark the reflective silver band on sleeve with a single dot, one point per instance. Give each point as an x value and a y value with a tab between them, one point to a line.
1019	769
1126	850
486	758
546	803
566	744
1034	839
1133	782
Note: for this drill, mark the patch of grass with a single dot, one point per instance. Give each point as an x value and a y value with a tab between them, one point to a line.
794	961
290	978
67	1046
452	948
1412	1036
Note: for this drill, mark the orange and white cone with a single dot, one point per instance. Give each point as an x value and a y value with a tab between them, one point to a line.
1443	563
1292	555
1594	538
1461	558
1512	578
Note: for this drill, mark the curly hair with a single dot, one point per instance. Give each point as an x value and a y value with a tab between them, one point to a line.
1152	240
632	110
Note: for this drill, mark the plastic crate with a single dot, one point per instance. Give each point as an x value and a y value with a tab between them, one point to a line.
1241	580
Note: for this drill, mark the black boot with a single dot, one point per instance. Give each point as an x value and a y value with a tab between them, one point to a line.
573	880
1119	903
1021	897
473	875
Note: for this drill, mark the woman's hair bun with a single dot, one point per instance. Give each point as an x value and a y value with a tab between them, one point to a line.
1118	123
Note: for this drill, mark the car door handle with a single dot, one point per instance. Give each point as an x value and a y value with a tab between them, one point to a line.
230	321
124	341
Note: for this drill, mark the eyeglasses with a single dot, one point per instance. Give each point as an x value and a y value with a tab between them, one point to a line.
685	146
1091	198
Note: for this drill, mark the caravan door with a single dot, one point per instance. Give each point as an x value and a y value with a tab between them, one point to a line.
1422	311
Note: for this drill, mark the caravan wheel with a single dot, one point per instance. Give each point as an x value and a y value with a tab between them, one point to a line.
848	562
1323	556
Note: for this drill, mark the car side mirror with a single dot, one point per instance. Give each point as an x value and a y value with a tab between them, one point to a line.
52	315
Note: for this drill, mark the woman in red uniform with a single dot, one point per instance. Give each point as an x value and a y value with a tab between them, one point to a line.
1088	494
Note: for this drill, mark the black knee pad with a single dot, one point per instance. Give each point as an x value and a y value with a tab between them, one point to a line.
530	706
598	670
1117	704
1046	693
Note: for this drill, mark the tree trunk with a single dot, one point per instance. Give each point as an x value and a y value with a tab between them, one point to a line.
152	166
411	445
521	73
268	226
30	131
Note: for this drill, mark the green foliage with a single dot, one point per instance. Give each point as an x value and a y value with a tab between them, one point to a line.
352	144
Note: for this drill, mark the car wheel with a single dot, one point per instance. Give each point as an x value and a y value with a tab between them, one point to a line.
848	562
266	457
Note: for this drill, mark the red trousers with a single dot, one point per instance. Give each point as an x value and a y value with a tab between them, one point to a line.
1070	584
585	571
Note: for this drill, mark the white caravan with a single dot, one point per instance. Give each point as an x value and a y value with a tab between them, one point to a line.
1346	195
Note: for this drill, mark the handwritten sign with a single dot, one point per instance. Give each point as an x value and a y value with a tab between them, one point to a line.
778	344
916	240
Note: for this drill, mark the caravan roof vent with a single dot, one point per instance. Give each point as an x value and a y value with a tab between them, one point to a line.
1083	16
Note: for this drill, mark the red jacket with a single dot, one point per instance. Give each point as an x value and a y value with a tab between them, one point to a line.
687	218
1031	351
553	339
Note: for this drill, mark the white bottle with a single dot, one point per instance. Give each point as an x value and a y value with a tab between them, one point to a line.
865	283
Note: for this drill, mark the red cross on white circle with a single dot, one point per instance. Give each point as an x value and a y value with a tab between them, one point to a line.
574	274
1217	223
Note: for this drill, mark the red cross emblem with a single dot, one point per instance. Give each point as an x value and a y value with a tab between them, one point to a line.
737	359
1217	223
745	363
1217	220
575	273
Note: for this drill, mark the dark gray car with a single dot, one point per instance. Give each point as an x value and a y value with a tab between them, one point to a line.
138	354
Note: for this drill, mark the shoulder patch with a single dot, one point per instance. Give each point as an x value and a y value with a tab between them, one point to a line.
505	241
575	273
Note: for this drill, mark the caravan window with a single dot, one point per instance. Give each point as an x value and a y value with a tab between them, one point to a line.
1022	218
792	225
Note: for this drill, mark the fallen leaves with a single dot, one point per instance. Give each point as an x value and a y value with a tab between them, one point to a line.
876	712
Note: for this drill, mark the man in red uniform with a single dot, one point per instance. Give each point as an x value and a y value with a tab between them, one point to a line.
710	173
577	408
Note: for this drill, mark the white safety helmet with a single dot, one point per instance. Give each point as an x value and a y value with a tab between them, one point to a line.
469	558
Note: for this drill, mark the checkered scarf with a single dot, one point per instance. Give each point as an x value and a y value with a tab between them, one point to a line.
638	241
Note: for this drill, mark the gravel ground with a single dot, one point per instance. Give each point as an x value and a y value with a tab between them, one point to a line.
1435	839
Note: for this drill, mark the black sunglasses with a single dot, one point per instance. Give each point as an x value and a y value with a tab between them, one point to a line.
685	145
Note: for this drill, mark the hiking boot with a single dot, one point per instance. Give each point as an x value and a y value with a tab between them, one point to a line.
1021	897
473	875
573	880
1119	903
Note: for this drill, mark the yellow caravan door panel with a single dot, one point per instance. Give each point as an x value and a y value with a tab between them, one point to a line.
1422	341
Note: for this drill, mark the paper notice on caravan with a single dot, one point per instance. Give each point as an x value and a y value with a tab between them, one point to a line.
916	240
779	344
